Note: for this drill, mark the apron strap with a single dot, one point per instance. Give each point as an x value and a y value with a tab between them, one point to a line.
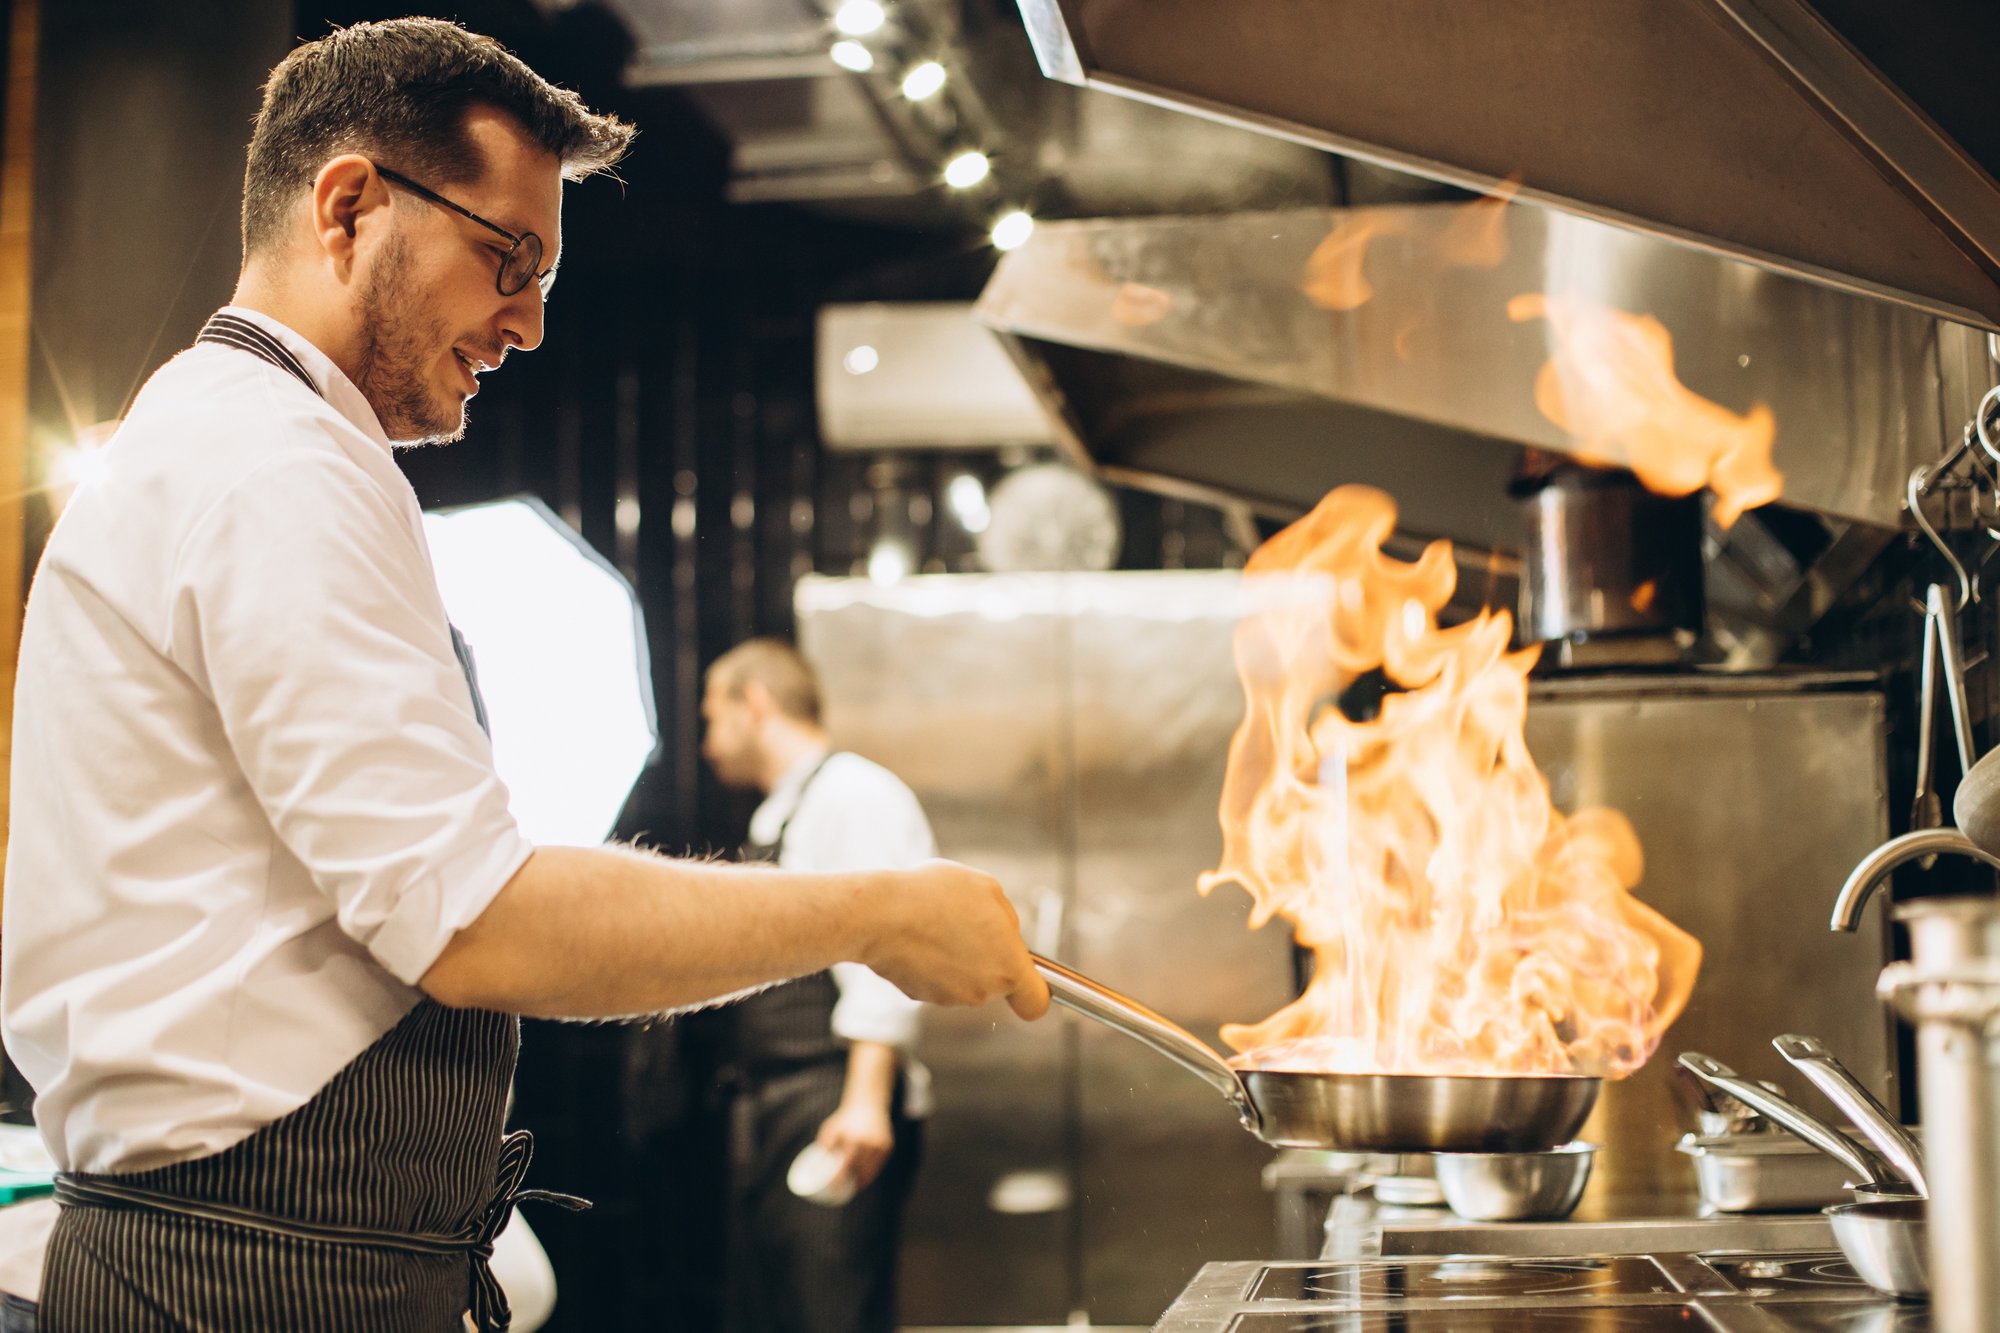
244	336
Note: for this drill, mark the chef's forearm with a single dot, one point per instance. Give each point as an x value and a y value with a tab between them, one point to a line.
606	932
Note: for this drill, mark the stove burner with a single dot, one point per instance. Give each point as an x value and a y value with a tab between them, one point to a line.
1463	1279
1676	1318
1775	1274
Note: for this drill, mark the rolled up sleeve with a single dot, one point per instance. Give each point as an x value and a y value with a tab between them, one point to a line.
305	608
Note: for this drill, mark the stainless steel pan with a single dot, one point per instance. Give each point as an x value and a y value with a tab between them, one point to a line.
1352	1112
1868	1181
1891	1142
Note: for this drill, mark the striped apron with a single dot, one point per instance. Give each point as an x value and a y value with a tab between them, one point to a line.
373	1206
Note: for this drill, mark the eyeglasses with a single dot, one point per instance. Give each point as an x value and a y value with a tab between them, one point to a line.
522	257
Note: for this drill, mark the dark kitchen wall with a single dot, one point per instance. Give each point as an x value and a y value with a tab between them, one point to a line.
143	112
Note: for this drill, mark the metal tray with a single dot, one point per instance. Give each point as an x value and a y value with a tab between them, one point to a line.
1764	1173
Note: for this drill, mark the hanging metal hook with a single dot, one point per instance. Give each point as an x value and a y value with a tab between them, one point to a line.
1983	419
1919	483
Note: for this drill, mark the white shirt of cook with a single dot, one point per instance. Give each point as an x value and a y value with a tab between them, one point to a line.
856	815
251	800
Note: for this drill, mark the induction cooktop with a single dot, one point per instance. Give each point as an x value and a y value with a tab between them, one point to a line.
1708	1292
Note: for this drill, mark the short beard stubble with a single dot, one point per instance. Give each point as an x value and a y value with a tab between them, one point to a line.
396	342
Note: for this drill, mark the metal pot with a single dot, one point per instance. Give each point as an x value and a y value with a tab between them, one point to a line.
1612	573
1352	1112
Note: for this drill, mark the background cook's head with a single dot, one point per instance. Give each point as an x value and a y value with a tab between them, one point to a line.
402	209
760	711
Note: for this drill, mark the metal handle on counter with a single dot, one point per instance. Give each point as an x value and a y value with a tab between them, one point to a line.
1073	990
1784	1112
1811	1057
1952	661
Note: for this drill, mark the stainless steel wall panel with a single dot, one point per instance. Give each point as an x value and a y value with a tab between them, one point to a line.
1752	806
961	695
1170	1181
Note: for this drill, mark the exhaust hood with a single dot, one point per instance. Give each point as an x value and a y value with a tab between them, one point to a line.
1231	385
1849	143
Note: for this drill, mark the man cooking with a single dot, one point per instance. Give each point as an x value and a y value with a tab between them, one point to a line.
269	924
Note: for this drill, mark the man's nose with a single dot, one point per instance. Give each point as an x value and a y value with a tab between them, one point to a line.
521	318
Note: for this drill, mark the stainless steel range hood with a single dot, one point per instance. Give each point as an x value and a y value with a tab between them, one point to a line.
1766	130
1234	386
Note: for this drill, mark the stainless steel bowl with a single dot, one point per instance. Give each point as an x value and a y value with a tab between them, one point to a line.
1515	1186
1885	1242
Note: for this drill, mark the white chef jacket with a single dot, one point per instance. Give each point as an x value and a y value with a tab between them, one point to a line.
251	799
855	815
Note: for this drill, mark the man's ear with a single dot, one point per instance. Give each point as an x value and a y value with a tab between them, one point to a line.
346	196
762	703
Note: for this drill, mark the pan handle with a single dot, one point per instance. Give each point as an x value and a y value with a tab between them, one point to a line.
1073	990
1810	1057
1782	1111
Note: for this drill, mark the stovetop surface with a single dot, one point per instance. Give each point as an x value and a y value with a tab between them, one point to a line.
1709	1292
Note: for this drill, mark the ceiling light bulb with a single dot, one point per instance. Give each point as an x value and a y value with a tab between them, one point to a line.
923	81
852	56
966	170
858	18
889	562
966	496
1012	230
861	359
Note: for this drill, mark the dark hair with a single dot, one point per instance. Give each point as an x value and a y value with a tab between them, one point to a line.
779	668
400	90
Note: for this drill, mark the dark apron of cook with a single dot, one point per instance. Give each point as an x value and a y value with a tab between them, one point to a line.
794	1266
373	1206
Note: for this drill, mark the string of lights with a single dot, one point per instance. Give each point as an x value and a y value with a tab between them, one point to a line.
869	38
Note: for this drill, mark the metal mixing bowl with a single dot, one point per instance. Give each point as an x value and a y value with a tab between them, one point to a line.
1515	1186
1885	1242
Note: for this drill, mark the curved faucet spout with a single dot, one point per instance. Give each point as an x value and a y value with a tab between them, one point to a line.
1875	867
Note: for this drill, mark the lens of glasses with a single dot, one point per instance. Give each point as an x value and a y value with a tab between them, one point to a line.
521	264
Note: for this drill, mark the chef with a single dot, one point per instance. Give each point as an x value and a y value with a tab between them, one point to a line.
819	1069
269	924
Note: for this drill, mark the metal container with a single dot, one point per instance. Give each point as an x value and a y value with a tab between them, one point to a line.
1950	989
1885	1242
1515	1186
1764	1173
1612	572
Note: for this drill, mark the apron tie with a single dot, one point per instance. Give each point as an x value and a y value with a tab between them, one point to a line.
490	1311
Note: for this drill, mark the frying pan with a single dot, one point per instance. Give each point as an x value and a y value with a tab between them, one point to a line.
1384	1113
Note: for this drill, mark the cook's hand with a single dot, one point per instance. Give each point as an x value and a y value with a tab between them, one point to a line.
861	1136
948	935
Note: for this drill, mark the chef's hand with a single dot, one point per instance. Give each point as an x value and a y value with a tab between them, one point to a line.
947	935
861	1136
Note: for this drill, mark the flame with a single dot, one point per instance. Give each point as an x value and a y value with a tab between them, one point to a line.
1136	305
1611	386
1333	278
1461	925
